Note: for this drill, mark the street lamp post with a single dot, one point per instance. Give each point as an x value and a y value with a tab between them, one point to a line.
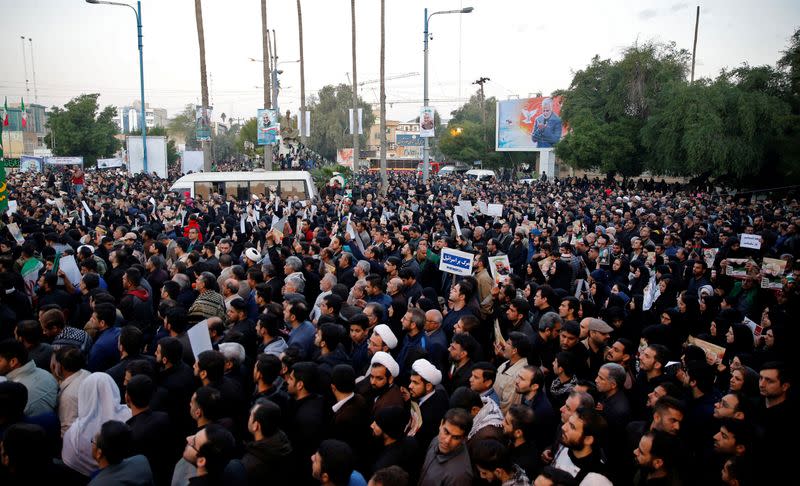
138	12
426	163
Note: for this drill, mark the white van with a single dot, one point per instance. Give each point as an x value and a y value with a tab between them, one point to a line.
481	174
287	184
448	170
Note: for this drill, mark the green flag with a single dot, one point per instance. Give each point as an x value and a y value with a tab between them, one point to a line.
3	187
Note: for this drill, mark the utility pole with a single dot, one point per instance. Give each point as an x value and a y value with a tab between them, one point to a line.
694	47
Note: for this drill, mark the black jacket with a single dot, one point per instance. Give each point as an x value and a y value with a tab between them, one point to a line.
268	461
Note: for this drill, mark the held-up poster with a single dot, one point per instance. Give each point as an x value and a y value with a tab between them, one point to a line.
500	267
772	273
456	262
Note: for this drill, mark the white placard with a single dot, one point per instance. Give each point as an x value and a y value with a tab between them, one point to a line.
86	207
494	210
199	338
16	233
482	207
12	207
241	223
109	163
750	241
70	268
466	206
456	262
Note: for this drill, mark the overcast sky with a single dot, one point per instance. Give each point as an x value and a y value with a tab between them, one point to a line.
524	46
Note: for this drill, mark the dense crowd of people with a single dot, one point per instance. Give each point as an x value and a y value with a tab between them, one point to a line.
641	337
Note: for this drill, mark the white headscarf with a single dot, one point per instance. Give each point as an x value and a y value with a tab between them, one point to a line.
98	402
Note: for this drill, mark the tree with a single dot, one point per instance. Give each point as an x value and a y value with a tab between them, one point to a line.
725	128
172	149
201	40
384	178
225	146
81	131
329	117
182	127
608	103
247	139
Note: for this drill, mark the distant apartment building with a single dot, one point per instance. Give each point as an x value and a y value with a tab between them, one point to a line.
19	141
128	118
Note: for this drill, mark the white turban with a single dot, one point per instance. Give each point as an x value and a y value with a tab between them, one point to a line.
427	371
386	334
385	359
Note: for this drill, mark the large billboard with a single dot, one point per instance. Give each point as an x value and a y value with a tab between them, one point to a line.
156	155
529	124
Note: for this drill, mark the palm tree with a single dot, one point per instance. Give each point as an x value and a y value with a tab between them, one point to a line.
384	178
301	118
355	87
267	68
198	12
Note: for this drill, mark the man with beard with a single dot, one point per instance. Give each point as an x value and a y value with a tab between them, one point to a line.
433	402
656	455
396	448
493	461
530	386
579	453
383	370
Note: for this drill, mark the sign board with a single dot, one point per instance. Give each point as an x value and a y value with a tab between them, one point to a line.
269	127
426	125
529	124
750	241
202	121
192	161
30	164
109	163
156	155
772	271
456	262
64	161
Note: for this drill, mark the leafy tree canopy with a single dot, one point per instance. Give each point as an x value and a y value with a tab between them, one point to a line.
80	130
330	120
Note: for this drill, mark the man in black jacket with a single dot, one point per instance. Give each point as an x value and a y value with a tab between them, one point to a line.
268	458
153	433
307	417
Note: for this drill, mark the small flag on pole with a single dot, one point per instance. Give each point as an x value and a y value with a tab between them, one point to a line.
5	112
24	113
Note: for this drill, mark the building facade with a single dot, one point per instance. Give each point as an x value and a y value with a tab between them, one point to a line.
128	118
19	141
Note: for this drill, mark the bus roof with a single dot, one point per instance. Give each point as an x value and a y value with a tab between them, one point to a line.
286	175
